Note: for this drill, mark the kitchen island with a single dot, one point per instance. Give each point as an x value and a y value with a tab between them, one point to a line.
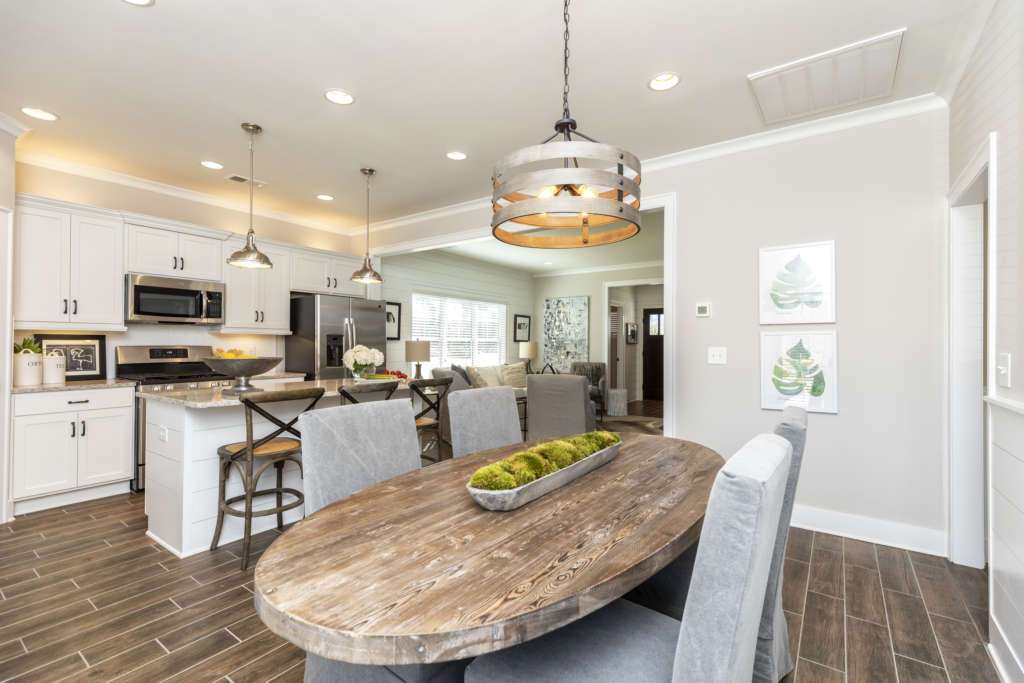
184	429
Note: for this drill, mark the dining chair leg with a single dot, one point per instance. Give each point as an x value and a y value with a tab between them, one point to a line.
279	466
247	535
222	496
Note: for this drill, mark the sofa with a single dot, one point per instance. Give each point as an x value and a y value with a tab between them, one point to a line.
508	375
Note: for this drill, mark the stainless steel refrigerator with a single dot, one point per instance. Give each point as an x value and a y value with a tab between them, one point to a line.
324	327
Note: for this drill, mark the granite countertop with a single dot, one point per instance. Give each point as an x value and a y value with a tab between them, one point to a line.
279	375
89	384
215	398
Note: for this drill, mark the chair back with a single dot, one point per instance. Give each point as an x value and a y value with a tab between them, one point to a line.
718	633
774	658
350	447
593	371
432	403
482	419
351	392
254	401
557	405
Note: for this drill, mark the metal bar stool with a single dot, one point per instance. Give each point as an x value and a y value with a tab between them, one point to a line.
350	392
432	403
272	450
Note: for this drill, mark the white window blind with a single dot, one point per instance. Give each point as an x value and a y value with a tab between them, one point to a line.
460	331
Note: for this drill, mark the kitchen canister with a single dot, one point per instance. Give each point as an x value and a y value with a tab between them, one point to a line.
28	369
54	368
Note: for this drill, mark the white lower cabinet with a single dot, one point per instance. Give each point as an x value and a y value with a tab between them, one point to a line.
57	450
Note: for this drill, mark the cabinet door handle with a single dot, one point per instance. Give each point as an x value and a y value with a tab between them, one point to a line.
73	426
65	306
263	316
183	263
335	283
257	317
84	400
175	266
74	307
83	428
328	281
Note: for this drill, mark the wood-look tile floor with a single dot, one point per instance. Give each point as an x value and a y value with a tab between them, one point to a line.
863	612
84	595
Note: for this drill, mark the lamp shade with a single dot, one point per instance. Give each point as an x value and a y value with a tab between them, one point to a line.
417	351
528	350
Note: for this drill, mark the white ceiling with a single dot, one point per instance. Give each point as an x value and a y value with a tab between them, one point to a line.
150	92
645	248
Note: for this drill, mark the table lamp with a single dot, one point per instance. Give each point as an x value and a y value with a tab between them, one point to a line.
528	351
417	352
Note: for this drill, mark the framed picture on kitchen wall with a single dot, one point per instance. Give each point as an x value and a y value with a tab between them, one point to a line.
521	328
393	321
799	366
85	355
797	284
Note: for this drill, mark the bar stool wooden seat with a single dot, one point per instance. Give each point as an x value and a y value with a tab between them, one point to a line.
353	392
272	450
433	402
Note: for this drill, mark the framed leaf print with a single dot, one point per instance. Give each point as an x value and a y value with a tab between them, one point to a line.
799	366
797	284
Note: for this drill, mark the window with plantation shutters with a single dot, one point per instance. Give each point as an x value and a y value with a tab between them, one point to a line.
460	331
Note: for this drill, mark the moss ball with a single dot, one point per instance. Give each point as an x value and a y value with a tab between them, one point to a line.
520	470
492	478
559	453
605	439
584	443
536	463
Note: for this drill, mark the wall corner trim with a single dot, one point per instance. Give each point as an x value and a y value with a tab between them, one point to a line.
9	124
871	529
602	269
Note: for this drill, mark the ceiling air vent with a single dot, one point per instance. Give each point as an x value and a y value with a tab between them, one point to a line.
243	179
847	75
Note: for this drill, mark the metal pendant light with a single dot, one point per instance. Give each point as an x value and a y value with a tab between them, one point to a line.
249	256
559	203
367	275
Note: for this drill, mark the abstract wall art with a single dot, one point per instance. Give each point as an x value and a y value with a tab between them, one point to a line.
566	331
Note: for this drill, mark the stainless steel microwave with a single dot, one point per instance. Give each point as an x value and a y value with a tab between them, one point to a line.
154	299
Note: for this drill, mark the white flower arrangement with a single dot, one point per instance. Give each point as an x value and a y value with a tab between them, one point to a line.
360	359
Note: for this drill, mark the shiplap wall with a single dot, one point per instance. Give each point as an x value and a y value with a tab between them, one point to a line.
989	98
438	272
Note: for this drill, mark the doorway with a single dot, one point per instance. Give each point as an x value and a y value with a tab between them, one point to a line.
653	353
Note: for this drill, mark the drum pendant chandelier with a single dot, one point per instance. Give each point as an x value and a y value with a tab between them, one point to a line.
544	198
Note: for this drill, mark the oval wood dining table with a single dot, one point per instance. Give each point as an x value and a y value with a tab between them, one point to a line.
412	570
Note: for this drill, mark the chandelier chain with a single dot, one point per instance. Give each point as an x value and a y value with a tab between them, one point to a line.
565	60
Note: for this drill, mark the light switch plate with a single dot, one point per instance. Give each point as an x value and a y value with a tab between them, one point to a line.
703	309
717	355
1004	367
164	435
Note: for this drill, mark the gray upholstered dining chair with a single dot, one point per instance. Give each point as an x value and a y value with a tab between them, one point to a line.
717	637
666	591
483	418
346	449
459	383
558	405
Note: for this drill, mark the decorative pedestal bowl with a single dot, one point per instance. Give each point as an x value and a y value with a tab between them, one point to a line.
242	369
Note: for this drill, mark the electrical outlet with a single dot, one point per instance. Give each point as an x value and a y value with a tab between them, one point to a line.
164	434
717	355
1004	366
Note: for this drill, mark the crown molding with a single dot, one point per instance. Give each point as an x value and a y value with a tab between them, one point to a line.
117	178
602	269
431	214
9	124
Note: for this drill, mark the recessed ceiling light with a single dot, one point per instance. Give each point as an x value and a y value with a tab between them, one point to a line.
664	81
141	3
339	96
456	156
325	197
212	165
40	114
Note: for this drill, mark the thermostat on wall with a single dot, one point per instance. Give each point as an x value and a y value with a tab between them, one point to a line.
704	310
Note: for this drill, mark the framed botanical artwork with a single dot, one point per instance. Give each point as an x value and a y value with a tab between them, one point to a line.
521	328
797	284
393	320
85	355
799	366
631	333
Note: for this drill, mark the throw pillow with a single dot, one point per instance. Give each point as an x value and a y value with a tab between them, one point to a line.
490	375
514	375
458	369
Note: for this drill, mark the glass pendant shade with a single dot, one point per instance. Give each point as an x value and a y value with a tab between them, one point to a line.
249	256
367	275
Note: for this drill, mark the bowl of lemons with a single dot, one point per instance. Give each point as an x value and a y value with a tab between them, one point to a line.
242	366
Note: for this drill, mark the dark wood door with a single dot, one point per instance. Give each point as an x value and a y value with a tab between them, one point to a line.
654	343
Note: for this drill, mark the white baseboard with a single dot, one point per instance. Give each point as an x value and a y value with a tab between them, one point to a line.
57	500
1007	665
870	529
168	547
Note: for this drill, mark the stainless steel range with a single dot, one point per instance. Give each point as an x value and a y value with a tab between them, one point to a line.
157	369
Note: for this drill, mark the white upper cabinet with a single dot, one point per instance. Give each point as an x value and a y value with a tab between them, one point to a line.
311	272
156	251
257	300
69	270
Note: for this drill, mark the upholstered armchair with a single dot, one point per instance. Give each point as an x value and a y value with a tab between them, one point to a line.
596	378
